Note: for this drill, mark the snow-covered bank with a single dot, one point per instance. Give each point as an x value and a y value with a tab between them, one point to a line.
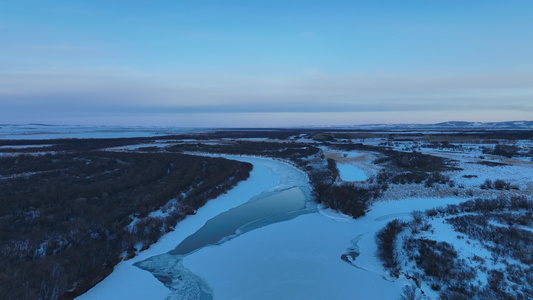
130	282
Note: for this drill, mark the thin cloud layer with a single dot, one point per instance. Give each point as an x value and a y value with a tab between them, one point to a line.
124	93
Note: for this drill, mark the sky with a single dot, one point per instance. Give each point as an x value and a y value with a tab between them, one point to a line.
265	63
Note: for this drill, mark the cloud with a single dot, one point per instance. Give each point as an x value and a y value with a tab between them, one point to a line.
126	92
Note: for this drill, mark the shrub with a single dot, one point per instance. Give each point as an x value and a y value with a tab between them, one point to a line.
408	293
501	185
505	150
386	240
349	199
487	184
453	295
431	212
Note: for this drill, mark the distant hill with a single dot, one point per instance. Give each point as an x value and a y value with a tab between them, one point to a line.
456	125
500	125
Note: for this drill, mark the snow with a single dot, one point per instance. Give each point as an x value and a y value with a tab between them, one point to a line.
129	282
288	260
300	258
352	154
515	174
465	247
352	165
349	172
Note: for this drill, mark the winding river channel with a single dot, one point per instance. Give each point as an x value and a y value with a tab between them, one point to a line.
284	201
275	192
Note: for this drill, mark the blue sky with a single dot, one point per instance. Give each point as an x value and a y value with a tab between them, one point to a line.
265	63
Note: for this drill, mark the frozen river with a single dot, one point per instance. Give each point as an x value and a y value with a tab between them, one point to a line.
349	172
275	191
264	239
286	200
252	214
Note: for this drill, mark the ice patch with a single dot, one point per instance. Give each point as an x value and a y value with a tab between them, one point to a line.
351	173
